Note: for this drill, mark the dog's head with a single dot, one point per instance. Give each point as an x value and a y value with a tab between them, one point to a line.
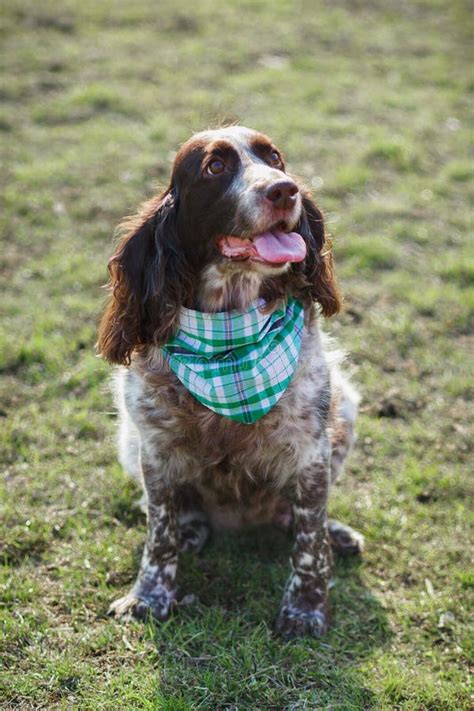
231	226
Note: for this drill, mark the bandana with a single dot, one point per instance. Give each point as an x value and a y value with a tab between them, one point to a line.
237	364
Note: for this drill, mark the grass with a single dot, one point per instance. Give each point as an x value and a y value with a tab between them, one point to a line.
371	103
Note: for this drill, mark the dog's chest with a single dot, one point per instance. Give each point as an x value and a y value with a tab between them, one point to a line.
208	448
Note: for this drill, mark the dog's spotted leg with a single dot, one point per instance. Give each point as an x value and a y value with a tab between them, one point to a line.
154	592
304	608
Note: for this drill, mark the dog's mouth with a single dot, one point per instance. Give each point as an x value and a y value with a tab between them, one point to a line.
272	247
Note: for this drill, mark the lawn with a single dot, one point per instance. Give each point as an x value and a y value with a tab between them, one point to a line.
370	102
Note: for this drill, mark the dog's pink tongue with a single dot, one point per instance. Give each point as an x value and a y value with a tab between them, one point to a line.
280	246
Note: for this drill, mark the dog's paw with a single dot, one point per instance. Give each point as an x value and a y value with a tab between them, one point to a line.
157	606
292	622
345	540
193	536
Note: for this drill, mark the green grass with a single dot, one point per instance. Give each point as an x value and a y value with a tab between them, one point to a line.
370	102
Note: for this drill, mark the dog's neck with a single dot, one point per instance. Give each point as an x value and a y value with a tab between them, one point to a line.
228	290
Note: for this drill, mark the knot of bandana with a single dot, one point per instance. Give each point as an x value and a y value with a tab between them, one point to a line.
237	364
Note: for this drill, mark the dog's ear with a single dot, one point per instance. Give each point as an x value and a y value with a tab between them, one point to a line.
318	265
147	278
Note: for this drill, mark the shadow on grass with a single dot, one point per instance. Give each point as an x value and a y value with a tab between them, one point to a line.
221	649
245	573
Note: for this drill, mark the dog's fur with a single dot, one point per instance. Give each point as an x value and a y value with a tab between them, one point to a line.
201	470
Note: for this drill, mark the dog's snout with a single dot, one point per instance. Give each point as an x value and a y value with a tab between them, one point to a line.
282	194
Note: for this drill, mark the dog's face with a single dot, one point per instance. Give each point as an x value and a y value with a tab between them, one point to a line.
236	206
232	225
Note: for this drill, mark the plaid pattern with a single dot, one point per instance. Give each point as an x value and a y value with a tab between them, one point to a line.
237	364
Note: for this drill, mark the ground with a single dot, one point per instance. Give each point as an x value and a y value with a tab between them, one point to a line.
370	102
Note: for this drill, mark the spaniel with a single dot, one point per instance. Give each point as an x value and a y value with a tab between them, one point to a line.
232	235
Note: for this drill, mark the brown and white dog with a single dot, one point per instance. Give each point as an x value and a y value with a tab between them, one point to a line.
219	237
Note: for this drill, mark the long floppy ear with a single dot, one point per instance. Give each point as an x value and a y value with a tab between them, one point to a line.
318	266
147	279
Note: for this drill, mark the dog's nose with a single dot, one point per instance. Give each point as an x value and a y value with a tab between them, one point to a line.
282	194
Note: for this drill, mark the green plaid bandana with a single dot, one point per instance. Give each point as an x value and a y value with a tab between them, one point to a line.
237	364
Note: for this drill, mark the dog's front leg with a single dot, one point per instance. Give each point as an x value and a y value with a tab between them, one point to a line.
304	608
154	592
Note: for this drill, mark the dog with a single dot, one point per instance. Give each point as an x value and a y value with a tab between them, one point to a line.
233	234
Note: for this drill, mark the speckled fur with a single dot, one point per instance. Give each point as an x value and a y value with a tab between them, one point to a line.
244	475
199	470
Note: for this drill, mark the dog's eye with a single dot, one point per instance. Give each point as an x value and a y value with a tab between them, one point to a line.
215	167
275	158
